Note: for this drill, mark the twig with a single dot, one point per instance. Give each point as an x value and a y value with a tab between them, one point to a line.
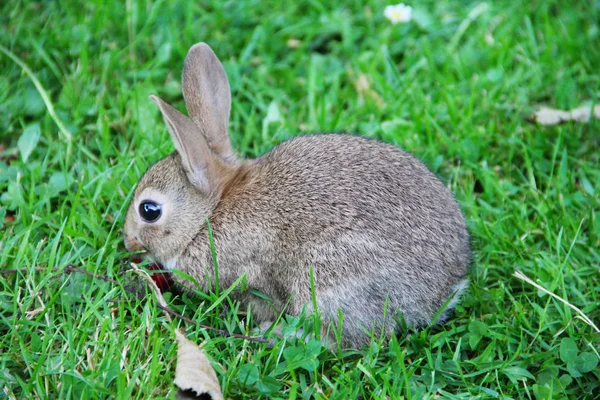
213	329
70	268
585	318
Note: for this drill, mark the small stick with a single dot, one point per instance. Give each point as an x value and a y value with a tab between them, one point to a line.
71	268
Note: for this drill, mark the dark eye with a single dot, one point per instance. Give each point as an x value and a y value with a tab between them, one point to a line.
149	211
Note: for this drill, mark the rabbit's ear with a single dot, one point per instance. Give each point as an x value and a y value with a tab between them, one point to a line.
208	98
197	159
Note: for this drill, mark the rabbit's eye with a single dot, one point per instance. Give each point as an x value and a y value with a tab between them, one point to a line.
150	211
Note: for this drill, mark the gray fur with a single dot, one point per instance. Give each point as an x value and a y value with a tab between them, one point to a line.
208	98
375	224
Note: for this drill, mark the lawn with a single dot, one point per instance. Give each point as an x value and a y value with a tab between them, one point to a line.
455	86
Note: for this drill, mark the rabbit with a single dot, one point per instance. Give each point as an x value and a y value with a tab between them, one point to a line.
382	235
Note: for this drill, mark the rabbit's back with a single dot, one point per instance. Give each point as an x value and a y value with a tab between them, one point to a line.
373	221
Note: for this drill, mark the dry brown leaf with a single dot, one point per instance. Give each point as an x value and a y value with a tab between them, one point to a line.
293	43
550	116
31	314
194	374
9	155
363	88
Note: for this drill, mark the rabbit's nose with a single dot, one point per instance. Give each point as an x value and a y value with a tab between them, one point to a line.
132	244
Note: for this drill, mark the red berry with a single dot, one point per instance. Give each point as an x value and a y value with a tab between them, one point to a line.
136	259
162	279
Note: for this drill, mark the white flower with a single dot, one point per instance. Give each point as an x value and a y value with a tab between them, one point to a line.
398	13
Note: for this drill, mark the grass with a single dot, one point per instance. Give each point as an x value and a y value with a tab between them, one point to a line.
453	87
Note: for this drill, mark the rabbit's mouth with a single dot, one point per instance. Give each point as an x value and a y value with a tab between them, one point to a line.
132	243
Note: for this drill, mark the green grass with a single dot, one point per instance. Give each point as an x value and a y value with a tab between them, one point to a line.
453	87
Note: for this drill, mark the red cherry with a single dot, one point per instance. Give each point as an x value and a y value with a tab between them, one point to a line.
162	279
136	259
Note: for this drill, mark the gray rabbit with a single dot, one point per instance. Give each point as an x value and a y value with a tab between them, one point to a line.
381	233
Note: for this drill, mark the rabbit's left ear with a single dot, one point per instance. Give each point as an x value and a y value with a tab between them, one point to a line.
208	98
198	161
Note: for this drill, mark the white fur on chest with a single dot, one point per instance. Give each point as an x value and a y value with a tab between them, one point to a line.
170	264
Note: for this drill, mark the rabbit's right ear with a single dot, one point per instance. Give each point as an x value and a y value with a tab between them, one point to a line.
208	98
